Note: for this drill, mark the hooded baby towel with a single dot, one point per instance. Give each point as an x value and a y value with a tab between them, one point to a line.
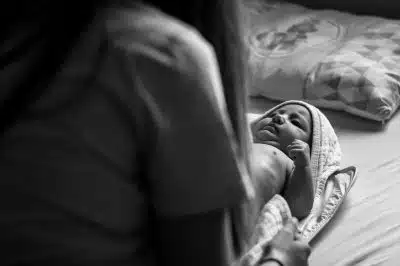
325	149
325	168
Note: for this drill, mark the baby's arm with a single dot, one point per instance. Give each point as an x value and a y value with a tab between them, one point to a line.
299	190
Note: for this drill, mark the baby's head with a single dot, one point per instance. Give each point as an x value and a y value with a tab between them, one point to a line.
282	126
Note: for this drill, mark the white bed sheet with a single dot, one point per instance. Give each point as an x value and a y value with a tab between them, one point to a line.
366	229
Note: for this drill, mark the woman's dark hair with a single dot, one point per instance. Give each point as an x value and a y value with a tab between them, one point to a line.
219	22
37	37
40	34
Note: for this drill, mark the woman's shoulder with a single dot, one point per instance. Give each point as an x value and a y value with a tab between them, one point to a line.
142	30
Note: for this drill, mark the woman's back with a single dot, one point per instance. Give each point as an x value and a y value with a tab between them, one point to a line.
85	166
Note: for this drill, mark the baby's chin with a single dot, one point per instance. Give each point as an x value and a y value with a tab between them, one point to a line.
273	143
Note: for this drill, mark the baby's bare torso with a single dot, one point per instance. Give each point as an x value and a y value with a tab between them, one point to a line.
270	168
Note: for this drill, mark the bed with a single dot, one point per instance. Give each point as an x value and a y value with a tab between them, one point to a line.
366	228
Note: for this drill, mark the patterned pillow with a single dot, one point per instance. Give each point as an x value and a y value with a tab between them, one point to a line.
363	75
328	58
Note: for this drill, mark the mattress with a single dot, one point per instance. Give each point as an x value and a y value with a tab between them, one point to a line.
366	228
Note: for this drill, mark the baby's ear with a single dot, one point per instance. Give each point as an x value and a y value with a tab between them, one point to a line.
336	189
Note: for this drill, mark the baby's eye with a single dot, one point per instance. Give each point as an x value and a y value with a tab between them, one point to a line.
297	123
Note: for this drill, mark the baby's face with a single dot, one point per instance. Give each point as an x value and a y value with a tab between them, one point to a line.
281	127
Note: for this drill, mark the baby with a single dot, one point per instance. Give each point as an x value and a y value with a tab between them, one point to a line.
281	156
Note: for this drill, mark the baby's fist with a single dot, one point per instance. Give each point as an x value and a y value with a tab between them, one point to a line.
299	152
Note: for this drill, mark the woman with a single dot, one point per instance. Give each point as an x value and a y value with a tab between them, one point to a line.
117	145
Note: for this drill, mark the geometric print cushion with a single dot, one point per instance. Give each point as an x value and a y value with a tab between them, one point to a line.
363	75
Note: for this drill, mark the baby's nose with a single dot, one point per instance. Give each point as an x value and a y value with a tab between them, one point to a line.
278	119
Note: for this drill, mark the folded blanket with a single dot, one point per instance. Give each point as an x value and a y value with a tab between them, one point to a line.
325	168
273	216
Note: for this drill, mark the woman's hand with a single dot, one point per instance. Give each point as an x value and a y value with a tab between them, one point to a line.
285	249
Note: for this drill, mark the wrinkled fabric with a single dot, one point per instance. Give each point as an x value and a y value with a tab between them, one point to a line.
325	161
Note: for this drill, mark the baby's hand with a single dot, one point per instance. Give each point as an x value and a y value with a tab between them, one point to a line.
299	152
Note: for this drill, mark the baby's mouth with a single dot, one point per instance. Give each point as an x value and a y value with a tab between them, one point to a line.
271	128
267	133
